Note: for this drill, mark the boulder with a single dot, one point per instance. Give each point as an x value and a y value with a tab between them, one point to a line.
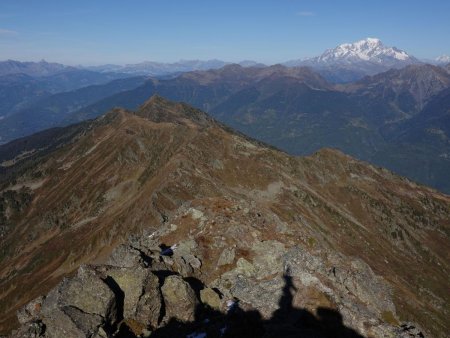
244	267
59	324
141	296
264	296
88	324
125	256
210	297
179	298
79	306
90	293
186	261
226	257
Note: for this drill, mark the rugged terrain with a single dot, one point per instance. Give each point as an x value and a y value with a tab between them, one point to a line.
292	108
313	245
298	111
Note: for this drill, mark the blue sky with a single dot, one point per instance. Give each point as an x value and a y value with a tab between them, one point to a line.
110	31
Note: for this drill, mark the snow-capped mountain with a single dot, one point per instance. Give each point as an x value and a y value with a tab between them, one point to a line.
351	61
370	49
443	59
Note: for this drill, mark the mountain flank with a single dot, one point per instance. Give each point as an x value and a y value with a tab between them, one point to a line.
296	110
164	212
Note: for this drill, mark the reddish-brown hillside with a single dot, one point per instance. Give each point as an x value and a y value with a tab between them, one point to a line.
169	164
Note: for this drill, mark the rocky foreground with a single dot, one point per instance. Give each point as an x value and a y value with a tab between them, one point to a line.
235	285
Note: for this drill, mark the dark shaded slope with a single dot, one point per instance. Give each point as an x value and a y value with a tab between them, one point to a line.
420	147
21	155
203	89
297	111
50	111
16	90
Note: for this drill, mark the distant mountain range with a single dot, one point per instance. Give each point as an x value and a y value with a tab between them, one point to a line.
345	63
377	118
24	84
41	68
160	69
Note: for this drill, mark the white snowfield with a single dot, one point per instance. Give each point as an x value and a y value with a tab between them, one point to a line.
370	49
443	59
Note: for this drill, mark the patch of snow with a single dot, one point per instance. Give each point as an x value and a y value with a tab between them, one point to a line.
232	304
169	251
443	59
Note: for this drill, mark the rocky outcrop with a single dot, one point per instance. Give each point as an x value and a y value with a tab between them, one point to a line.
148	290
82	306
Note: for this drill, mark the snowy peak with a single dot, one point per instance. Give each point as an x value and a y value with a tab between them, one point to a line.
443	59
370	49
350	62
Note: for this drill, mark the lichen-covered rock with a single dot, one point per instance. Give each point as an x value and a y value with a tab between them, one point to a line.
245	268
210	297
185	259
268	258
79	306
30	311
363	298
369	288
262	295
87	323
89	293
59	324
298	261
179	298
141	296
34	329
125	256
226	257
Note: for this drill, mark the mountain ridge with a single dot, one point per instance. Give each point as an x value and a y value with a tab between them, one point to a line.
41	68
125	175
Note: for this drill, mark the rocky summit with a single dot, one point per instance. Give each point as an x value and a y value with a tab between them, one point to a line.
164	223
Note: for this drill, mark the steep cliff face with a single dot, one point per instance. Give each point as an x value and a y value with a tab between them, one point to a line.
328	242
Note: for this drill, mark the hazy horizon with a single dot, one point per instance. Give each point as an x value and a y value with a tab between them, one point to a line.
270	32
